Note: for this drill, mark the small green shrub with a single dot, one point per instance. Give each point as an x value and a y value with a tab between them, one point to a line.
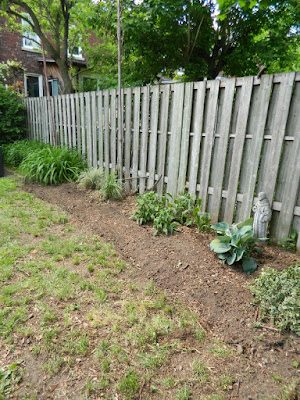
290	242
278	294
148	207
15	153
202	219
165	222
52	165
91	178
12	116
111	188
183	208
235	243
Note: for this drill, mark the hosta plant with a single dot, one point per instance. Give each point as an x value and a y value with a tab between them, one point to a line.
235	243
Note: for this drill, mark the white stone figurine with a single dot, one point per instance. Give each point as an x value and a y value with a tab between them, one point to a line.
262	216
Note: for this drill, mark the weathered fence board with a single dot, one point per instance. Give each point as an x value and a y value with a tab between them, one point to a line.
128	112
225	141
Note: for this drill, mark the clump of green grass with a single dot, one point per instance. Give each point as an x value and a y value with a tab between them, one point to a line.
129	385
111	187
184	393
91	178
15	153
52	165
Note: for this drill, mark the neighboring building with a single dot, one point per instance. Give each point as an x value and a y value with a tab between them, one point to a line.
25	50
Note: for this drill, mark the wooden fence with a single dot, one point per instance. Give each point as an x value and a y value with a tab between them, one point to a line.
223	140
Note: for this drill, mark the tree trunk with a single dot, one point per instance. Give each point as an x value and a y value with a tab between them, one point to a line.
64	70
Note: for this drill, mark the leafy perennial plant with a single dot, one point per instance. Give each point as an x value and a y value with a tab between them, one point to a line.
235	243
168	214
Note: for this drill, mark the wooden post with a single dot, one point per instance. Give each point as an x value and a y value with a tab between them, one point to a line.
53	134
120	102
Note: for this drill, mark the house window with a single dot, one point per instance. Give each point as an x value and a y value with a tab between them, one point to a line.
76	52
33	85
53	87
30	40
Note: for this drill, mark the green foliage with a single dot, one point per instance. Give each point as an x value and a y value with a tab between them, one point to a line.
168	35
278	294
9	378
167	214
148	206
202	219
91	178
111	188
128	385
235	243
12	116
15	153
165	221
290	243
183	208
52	165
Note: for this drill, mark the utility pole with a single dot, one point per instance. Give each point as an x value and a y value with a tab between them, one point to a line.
120	100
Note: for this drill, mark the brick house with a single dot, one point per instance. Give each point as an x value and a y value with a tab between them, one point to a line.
23	49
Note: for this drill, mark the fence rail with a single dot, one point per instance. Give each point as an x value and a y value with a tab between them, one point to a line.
225	141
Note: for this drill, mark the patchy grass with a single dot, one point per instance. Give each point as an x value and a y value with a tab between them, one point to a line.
72	322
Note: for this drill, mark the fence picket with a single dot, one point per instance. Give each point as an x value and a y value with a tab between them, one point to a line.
94	129
175	140
251	170
144	137
162	140
195	149
238	146
153	136
136	136
128	109
222	148
78	128
100	129
209	141
83	122
106	130
185	135
279	124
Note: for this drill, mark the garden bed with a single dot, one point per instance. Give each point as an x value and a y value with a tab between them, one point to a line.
184	267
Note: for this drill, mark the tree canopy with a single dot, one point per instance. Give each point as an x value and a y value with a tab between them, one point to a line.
197	36
160	37
54	21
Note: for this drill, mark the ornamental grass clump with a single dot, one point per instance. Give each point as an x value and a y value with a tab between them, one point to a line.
91	178
235	243
111	187
279	296
52	165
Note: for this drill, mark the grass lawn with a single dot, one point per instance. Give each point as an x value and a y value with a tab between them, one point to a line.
73	325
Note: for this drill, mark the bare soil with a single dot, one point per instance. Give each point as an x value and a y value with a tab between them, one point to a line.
184	266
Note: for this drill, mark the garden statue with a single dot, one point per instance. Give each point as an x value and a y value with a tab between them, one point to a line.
262	216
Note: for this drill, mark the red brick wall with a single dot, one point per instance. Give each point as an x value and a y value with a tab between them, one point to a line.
11	49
